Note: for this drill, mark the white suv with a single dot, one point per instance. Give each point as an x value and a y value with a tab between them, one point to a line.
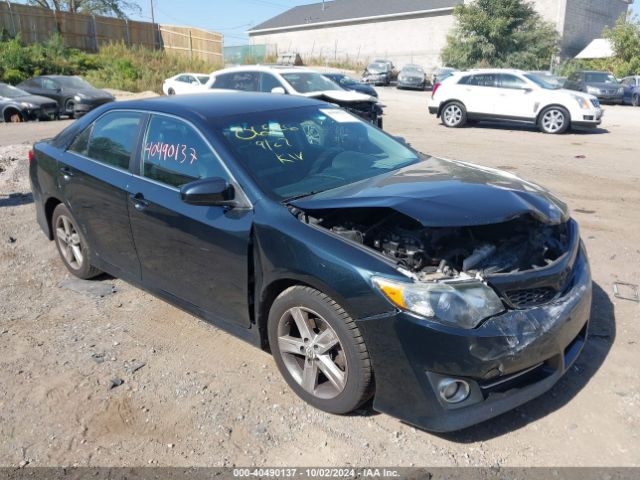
296	81
512	95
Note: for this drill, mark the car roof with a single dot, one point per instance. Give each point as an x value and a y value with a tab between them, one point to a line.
264	68
205	107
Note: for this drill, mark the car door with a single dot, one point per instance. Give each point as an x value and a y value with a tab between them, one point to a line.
93	177
53	89
480	94
516	98
196	254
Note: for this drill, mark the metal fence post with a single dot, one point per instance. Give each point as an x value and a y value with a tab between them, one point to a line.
13	22
127	32
190	45
95	32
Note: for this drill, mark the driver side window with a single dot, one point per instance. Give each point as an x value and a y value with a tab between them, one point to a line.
175	154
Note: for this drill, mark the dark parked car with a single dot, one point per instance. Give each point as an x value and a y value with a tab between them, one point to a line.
412	76
378	73
348	83
599	84
441	73
75	97
448	292
20	106
631	87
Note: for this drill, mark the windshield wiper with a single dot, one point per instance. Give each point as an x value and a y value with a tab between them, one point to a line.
303	195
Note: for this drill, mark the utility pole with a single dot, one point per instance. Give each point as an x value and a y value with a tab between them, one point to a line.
153	23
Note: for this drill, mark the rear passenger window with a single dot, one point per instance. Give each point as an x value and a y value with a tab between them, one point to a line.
175	154
245	81
484	80
81	144
111	139
511	81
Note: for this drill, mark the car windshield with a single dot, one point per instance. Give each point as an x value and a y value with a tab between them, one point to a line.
309	82
378	67
203	79
73	82
298	152
599	77
8	91
545	81
412	70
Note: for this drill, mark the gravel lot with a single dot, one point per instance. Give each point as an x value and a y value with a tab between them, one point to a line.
193	395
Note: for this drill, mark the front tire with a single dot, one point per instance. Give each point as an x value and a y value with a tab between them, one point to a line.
635	100
71	243
319	350
171	92
69	107
554	120
454	115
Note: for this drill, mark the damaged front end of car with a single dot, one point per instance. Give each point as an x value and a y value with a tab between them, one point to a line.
487	315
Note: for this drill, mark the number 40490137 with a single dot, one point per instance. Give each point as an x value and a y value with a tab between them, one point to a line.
178	152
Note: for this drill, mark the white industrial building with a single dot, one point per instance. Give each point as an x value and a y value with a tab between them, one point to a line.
411	31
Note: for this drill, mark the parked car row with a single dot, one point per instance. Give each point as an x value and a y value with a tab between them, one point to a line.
513	96
48	97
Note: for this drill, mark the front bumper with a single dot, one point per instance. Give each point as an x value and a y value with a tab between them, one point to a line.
85	106
41	113
507	361
417	85
588	118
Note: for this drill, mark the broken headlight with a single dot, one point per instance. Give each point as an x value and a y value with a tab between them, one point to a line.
461	304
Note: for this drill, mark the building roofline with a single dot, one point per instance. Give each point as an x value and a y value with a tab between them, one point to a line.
351	20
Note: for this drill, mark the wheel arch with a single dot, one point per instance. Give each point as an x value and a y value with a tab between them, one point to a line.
557	105
446	102
273	289
49	206
8	110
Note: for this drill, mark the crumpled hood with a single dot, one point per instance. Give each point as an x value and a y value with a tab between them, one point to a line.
345	96
445	193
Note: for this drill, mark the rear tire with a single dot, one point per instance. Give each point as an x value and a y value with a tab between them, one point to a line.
71	243
319	350
454	115
554	120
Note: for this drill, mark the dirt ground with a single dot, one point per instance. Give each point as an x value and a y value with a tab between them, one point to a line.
193	395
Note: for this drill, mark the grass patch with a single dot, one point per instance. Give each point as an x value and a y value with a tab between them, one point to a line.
116	66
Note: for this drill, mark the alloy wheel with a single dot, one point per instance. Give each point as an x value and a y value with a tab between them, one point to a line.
69	242
452	115
312	352
553	121
15	118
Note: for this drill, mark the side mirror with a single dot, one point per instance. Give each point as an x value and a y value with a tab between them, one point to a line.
278	90
209	192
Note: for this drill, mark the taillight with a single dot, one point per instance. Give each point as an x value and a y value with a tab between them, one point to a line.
435	89
30	156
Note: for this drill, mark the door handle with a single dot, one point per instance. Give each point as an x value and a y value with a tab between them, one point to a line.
139	203
66	173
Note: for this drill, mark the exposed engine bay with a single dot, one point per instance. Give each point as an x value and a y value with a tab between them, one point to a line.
518	245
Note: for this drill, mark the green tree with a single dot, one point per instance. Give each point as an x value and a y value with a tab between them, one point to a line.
625	41
117	8
500	33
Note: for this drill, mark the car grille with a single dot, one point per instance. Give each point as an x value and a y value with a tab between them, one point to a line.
531	297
